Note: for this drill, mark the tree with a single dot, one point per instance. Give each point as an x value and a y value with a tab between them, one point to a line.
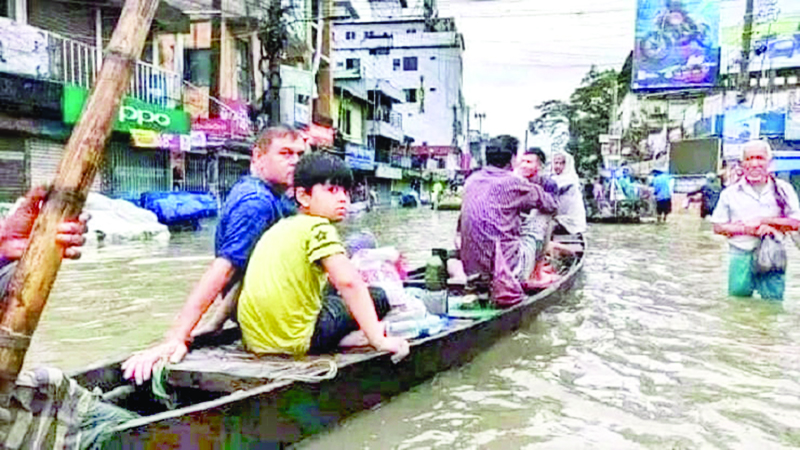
585	117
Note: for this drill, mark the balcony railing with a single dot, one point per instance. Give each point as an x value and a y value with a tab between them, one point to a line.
76	63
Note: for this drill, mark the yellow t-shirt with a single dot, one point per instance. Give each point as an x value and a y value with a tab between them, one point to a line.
282	293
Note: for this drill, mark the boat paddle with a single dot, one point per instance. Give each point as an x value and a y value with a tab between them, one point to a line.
36	271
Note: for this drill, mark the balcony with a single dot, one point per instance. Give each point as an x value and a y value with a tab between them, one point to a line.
76	63
388	124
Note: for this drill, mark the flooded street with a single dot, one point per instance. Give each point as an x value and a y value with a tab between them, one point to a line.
647	351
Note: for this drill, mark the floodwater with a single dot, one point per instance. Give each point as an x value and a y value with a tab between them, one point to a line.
646	352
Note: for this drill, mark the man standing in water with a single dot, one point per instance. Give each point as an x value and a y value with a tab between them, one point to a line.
662	190
756	206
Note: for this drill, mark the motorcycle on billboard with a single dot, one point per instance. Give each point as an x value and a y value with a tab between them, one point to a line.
677	44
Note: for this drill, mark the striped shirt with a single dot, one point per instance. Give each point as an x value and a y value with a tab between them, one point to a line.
494	202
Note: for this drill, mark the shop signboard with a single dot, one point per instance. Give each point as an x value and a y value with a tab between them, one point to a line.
676	45
359	157
133	114
23	49
319	135
164	141
388	172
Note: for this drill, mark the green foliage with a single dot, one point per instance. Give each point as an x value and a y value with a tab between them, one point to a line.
585	116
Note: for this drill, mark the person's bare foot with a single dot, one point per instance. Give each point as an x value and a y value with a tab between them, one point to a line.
541	280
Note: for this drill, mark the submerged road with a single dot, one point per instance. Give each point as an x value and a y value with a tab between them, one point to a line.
647	351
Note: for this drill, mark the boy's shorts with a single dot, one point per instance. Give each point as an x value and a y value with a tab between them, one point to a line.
742	281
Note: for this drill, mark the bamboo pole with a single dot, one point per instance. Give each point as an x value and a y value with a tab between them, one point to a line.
37	269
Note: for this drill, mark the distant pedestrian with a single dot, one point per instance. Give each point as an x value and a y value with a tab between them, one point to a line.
757	206
663	185
709	192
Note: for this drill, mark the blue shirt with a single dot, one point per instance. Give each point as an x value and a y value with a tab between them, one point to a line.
252	207
662	186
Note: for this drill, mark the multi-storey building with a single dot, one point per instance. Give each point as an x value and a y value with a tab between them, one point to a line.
423	58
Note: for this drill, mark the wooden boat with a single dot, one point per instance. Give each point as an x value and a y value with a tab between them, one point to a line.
227	398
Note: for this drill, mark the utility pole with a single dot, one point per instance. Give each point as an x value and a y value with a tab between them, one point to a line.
216	57
747	35
273	40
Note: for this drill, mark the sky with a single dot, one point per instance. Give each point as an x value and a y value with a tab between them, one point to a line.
520	53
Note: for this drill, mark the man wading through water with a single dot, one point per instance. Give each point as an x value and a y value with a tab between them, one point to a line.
756	206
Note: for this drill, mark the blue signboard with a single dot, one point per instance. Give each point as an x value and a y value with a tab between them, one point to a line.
359	157
677	44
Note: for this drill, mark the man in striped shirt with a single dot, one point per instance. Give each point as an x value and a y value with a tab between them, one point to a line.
494	203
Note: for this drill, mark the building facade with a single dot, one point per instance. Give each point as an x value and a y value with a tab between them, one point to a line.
423	58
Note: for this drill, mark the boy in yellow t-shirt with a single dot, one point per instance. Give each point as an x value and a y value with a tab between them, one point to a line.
283	285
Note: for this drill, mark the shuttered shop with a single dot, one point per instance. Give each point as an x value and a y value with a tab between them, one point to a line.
13	182
44	157
130	171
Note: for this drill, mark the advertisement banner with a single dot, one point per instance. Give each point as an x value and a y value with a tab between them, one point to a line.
133	114
740	126
23	49
359	157
677	44
775	43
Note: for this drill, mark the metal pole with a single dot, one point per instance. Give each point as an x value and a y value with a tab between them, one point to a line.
747	35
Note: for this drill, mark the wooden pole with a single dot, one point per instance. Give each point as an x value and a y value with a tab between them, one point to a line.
37	269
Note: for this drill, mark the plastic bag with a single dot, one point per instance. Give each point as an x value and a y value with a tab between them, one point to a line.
770	256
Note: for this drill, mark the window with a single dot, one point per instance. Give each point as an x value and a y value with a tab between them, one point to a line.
410	63
411	31
411	95
350	35
433	89
379	51
244	69
367	34
197	69
396	64
433	58
352	64
345	121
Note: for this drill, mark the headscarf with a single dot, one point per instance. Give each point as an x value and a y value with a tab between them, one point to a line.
571	212
568	176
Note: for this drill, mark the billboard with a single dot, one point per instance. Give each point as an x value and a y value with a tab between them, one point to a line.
775	43
677	44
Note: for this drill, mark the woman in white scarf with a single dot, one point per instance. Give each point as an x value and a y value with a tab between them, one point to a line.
571	212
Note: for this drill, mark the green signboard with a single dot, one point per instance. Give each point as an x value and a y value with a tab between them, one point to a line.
133	114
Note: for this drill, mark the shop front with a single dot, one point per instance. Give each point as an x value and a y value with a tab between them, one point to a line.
138	157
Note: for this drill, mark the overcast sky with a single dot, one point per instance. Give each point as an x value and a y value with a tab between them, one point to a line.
520	53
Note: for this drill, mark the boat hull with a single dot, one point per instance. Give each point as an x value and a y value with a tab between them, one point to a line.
278	413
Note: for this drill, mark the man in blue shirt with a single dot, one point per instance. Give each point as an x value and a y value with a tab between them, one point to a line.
255	203
662	187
